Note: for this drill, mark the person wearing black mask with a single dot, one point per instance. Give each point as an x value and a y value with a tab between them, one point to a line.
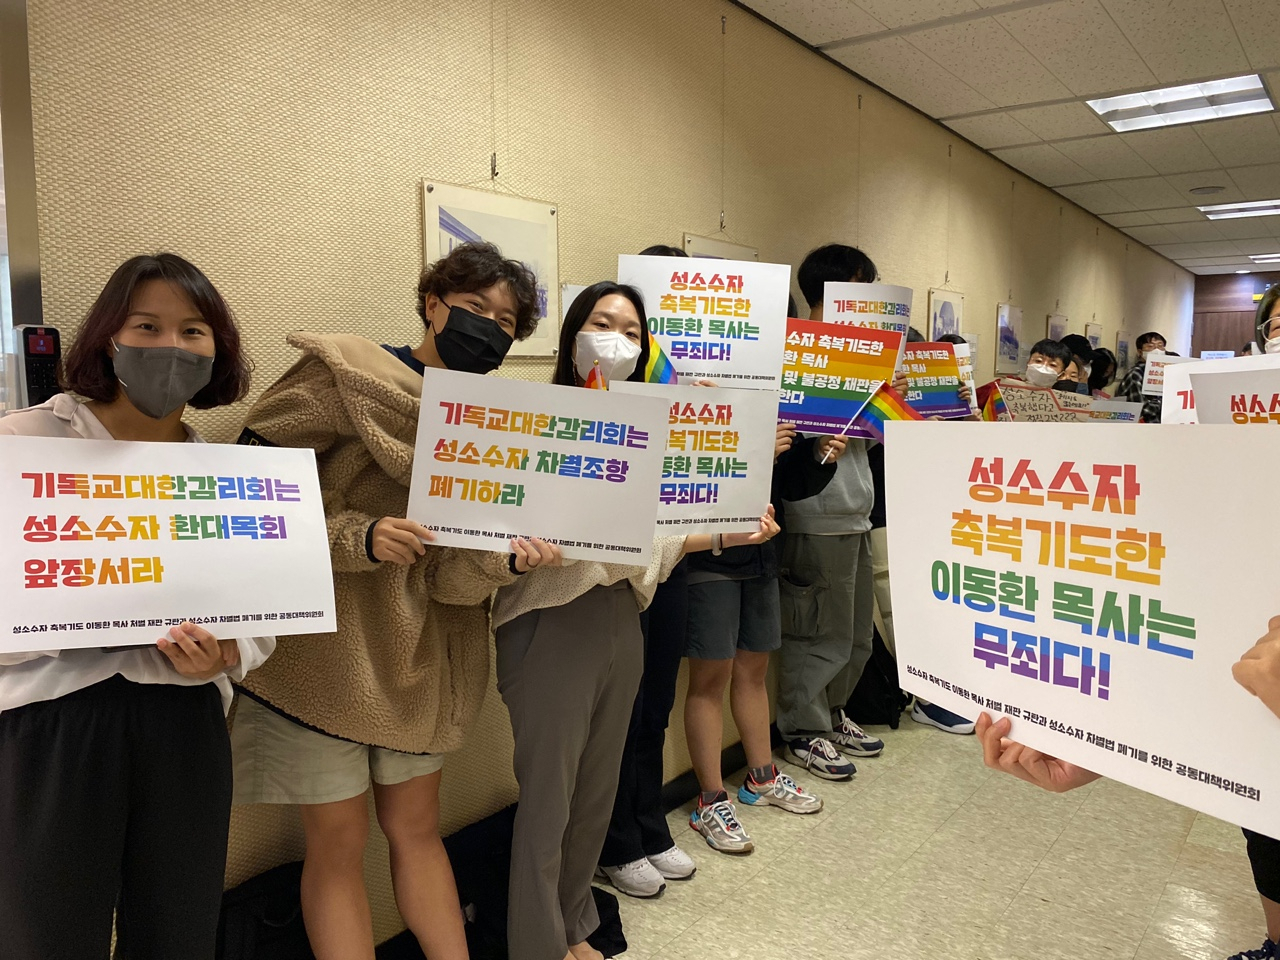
394	689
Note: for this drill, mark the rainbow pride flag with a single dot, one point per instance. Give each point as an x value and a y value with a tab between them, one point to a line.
886	404
994	409
595	379
659	369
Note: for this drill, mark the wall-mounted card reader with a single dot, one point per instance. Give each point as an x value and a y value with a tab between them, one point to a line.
40	356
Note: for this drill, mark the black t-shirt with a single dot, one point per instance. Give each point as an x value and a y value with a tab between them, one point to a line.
405	355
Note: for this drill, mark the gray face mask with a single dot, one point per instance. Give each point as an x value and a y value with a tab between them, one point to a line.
159	380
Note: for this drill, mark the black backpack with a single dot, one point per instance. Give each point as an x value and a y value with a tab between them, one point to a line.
262	918
878	699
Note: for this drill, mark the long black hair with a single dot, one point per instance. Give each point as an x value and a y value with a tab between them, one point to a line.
576	318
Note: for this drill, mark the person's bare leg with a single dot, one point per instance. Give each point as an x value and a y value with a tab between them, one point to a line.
704	719
335	906
421	875
584	951
1271	910
749	701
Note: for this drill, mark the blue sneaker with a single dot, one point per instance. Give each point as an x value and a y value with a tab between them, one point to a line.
944	720
820	757
852	739
1268	951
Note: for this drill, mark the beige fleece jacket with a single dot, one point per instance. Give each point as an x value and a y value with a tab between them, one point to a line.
408	667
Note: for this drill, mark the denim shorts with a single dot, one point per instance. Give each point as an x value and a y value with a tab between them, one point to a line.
726	616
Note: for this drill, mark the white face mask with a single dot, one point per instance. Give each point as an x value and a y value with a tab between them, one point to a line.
617	355
1273	346
1041	376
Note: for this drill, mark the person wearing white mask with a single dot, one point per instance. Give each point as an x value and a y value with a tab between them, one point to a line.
1268	317
1048	363
570	656
1130	387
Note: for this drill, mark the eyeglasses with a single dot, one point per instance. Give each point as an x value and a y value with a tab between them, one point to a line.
1265	327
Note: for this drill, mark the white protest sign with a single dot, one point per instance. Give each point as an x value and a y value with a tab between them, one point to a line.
1063	578
111	543
1029	403
964	360
1153	375
875	306
496	459
718	467
721	320
1239	397
1179	399
1217	354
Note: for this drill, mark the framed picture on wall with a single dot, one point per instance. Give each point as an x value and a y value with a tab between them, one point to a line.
1008	338
524	230
1123	360
946	313
1056	328
1093	333
717	248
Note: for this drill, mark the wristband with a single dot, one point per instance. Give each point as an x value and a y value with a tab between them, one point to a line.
368	543
511	565
717	545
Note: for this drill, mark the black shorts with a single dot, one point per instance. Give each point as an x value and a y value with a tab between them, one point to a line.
1264	857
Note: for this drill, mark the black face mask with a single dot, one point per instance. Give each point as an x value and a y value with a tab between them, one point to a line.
1067	386
471	344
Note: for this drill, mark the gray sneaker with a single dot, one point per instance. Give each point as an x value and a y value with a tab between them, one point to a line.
782	792
719	826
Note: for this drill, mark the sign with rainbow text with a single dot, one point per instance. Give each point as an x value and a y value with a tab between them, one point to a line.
933	380
718	465
831	370
110	543
1243	397
1062	577
496	459
720	320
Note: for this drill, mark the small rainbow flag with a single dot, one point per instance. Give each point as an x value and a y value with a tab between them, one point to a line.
994	409
886	404
659	369
595	379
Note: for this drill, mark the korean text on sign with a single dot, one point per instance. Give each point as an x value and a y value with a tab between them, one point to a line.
830	371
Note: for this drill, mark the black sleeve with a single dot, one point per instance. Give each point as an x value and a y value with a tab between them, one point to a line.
797	475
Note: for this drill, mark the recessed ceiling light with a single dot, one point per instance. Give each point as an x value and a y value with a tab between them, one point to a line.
1265	257
1235	211
1192	103
1206	191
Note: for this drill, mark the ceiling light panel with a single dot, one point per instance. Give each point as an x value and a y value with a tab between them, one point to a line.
1190	103
1237	211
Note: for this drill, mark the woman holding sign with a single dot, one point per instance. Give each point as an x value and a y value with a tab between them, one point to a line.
392	691
110	757
570	656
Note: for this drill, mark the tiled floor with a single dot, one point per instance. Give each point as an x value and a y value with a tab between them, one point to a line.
927	854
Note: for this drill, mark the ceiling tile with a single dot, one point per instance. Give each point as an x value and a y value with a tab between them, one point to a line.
1153	234
1042	162
1149	193
1247	228
1096	198
1218	262
1079	42
1184	183
1172	150
985	56
991	130
1181	40
1267	245
1176	215
1196	232
1258	183
1258	29
1212	271
818	21
1107	158
907	73
1060	121
895	13
1126	220
1241	141
1175	251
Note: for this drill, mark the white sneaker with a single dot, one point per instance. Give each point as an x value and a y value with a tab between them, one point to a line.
639	879
674	864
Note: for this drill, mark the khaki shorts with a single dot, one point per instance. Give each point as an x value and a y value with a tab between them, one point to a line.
279	761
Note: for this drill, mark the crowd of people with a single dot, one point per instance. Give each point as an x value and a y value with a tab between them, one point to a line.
112	758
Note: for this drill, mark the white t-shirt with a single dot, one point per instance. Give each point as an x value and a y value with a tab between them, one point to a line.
49	674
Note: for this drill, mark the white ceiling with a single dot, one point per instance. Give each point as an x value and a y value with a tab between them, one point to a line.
1013	77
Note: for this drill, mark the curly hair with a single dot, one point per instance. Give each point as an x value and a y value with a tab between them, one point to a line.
477	266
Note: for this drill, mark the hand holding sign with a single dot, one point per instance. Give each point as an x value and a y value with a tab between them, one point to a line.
1041	769
196	653
1259	670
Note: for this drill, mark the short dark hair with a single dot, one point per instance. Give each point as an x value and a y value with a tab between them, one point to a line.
88	369
952	338
1146	338
662	250
1264	314
469	267
1104	367
1079	345
579	311
1054	351
833	263
914	335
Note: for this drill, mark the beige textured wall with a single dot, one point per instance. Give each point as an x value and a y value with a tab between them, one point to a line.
280	144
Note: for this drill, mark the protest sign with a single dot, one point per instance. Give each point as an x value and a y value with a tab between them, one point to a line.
496	459
1153	376
1115	411
718	467
872	306
1060	577
964	362
1029	403
1178	403
1179	399
112	543
723	320
1242	397
831	370
933	380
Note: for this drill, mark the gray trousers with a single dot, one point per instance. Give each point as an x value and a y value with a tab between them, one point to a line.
569	677
828	606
